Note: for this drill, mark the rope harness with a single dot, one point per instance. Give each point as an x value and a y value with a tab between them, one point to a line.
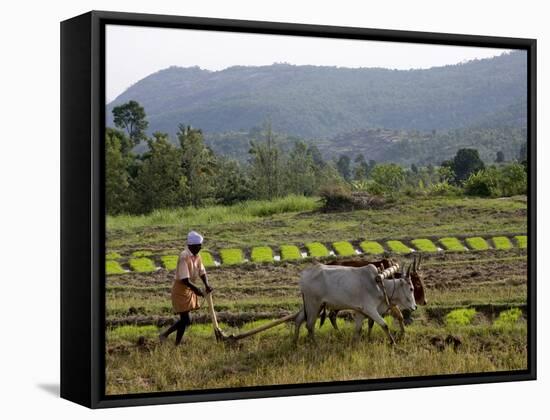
393	290
383	274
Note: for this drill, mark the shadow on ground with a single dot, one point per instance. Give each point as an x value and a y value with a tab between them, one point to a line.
52	389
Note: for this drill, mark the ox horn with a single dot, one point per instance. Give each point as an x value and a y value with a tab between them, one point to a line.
418	264
408	270
414	263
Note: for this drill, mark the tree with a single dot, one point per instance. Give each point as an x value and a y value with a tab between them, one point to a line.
125	143
465	163
483	183
447	164
231	183
500	157
372	164
131	117
266	165
513	179
116	176
344	167
315	153
361	168
430	168
198	164
160	182
501	181
325	173
445	173
300	171
389	176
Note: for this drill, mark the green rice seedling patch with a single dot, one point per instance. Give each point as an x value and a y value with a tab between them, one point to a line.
290	252
460	317
398	247
424	245
522	241
507	319
169	261
262	254
207	259
112	256
477	243
142	265
452	244
140	254
113	267
343	248
371	247
231	256
317	249
502	242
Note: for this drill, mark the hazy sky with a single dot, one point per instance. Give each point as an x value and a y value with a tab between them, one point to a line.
133	53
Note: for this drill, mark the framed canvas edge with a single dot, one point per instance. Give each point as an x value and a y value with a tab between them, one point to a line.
75	218
99	19
311	389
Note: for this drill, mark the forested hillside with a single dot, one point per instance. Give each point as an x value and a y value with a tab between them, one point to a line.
323	102
384	145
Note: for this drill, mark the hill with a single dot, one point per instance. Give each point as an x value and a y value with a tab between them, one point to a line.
386	145
324	102
407	147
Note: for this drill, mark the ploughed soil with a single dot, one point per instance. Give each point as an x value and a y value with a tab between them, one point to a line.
246	293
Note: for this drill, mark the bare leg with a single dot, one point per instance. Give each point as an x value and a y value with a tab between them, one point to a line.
175	326
185	321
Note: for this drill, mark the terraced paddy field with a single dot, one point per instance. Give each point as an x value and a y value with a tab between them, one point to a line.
475	320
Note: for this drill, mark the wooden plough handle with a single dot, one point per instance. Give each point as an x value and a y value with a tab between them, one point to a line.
262	328
221	336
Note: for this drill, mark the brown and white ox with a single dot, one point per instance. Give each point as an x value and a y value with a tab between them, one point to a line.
355	288
415	276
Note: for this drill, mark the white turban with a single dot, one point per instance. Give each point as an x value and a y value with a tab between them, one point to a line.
193	238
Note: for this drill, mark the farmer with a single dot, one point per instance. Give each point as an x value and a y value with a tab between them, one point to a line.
184	293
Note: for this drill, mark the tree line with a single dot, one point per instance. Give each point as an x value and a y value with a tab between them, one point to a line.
189	173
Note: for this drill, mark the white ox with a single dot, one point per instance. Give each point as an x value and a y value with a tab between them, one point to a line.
354	288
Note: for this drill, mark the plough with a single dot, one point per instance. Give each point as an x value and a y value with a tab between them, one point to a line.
222	336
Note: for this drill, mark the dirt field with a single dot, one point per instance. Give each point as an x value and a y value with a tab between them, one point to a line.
490	282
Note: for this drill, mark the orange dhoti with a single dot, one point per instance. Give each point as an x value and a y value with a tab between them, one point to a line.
189	267
183	298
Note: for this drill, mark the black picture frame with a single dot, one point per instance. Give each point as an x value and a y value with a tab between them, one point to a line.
83	217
